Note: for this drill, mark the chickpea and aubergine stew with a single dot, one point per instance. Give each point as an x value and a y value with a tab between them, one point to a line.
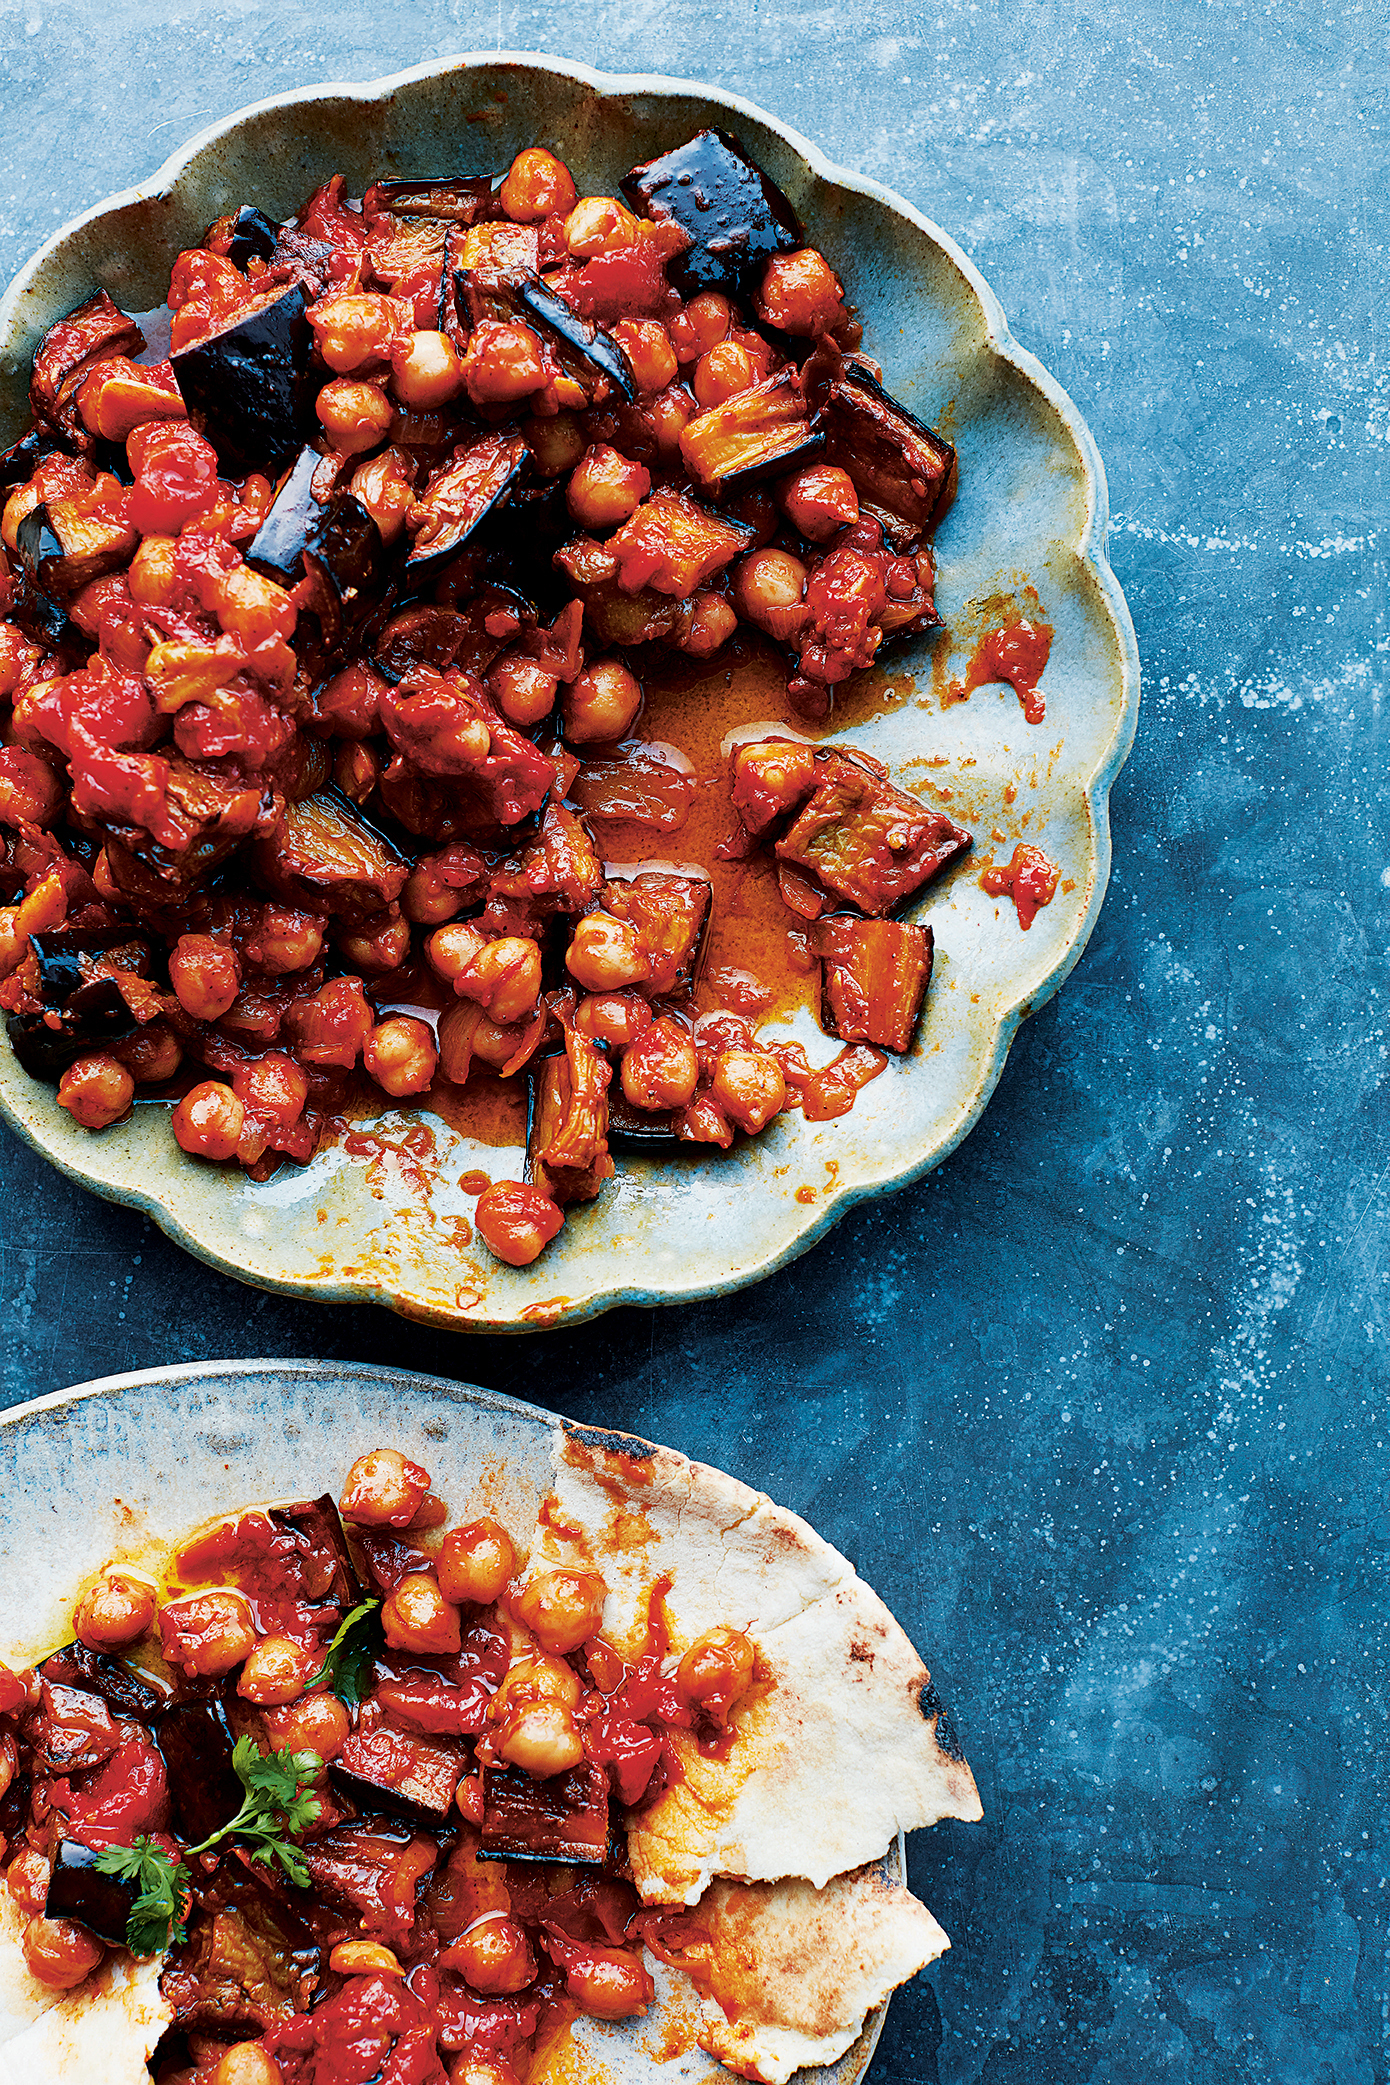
329	595
333	1793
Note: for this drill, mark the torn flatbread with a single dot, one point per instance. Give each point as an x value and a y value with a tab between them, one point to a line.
841	1701
787	1973
105	2030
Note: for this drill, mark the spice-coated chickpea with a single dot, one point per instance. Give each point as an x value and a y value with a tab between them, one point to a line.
425	370
354	329
315	1723
610	1986
800	293
383	1490
601	703
247	2063
561	1608
494	1044
207	1633
364	1958
152	1055
712	623
354	415
492	1955
766	582
27	1879
208	1121
452	949
516	1221
650	355
428	899
205	975
537	185
542	1739
502	362
722	372
718	1667
274	1085
661	1069
380	944
599	224
96	1090
702	325
606	953
475	1562
9	1761
606	487
668	414
60	1953
469	1799
556	444
113	1611
383	485
522	689
535	1676
481	2070
612	1017
400	1055
286	941
417	1617
749	1087
819	501
276	1672
505	977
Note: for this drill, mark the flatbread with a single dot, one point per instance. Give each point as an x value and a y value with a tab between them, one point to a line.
789	1972
842	1742
105	2030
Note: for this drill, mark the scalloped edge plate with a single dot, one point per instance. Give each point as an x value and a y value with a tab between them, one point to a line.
1033	507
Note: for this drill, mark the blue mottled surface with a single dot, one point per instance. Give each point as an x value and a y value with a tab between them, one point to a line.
1100	1408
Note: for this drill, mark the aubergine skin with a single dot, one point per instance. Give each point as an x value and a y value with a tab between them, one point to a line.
250	385
278	546
454	198
319	1521
91	1012
735	216
124	1692
253	237
204	1792
78	1890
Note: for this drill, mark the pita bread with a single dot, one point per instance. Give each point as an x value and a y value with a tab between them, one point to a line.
841	1703
107	2029
789	1972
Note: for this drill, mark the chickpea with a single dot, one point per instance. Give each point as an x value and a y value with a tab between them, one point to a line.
400	1055
452	949
206	1633
650	355
274	1085
379	944
417	1617
502	362
612	1017
537	185
286	941
667	415
661	1069
27	1879
364	1958
481	2070
505	977
599	224
561	1608
493	1044
535	1677
96	1090
113	1611
383	1490
60	1953
748	1087
717	1670
425	371
712	623
606	487
601	704
522	690
315	1723
705	321
542	1738
475	1562
208	1121
766	584
516	1221
205	974
722	372
800	293
556	444
152	578
610	1986
247	2063
606	953
469	1799
428	898
354	329
355	416
383	486
152	1055
492	1955
276	1672
819	501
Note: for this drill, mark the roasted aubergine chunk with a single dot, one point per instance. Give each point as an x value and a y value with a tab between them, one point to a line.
733	215
67	354
865	841
564	1818
83	1006
460	496
327	856
904	473
248	383
671	914
874	978
755	433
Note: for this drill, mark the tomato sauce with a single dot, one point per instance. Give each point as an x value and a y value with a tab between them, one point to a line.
1017	653
1029	878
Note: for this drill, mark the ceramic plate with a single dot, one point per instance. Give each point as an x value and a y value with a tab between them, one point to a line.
394	1227
146	1457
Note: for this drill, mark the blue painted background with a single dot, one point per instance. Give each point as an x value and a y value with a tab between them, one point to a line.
1100	1408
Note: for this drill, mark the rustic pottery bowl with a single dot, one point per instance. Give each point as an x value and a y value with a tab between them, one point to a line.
1031	512
148	1456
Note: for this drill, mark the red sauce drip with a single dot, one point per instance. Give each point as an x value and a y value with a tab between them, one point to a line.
1017	653
1031	879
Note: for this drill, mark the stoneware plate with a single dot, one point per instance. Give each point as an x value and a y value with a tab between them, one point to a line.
146	1457
1031	511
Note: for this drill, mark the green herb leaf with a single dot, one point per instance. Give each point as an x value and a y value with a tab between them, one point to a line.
348	1660
155	1921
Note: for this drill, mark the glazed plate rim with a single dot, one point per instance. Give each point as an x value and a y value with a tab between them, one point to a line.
1089	548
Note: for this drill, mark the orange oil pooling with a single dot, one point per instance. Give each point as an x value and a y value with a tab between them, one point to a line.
1017	652
1030	878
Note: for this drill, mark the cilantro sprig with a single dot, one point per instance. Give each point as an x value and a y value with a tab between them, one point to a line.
278	1806
348	1660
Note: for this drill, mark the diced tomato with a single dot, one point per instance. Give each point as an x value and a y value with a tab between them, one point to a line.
175	476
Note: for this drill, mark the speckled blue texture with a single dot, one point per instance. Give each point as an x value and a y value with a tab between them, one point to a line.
1099	1408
